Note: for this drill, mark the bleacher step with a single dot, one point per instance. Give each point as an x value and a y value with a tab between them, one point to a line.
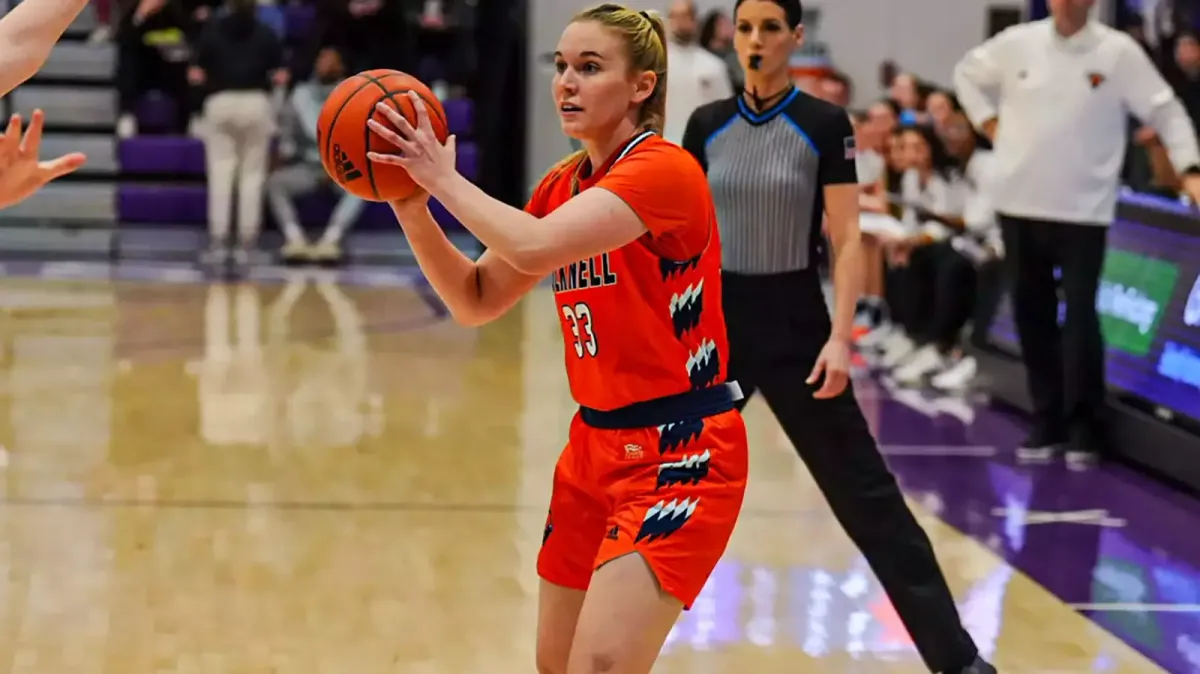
82	108
100	148
79	62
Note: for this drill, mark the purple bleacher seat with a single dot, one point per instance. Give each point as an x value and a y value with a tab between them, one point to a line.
460	115
162	155
173	204
300	19
155	112
468	160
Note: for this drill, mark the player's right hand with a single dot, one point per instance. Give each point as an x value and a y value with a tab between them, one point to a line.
414	205
21	173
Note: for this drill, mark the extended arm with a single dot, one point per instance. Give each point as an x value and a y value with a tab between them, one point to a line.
27	34
595	221
475	292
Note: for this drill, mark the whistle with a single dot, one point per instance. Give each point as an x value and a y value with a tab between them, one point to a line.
755	61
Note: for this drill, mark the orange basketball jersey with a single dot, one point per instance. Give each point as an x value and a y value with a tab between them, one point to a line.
643	321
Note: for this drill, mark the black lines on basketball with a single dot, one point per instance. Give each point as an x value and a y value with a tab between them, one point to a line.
333	124
377	81
339	133
434	107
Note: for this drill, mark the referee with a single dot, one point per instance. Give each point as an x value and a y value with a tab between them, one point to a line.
1054	96
772	153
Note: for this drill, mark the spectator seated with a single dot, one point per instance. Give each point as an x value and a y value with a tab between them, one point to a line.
186	204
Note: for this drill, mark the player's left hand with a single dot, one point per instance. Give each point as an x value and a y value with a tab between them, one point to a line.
1191	189
21	173
427	160
834	363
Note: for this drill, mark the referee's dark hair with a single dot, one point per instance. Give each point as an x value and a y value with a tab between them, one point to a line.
792	8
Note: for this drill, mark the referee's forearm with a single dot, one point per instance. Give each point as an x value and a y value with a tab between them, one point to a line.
848	268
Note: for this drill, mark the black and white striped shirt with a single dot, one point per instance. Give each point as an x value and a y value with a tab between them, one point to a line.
767	171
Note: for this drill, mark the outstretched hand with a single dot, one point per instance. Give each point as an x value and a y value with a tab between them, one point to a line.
427	160
21	174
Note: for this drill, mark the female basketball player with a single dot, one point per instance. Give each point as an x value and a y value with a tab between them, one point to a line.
651	481
779	162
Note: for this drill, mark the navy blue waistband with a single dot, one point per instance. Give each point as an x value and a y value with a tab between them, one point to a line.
699	404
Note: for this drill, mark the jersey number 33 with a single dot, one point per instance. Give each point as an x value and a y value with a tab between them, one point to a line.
579	318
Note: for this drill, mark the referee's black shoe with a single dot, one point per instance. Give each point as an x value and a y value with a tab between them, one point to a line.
980	666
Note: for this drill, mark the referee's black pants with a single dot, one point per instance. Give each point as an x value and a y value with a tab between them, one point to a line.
1064	367
777	325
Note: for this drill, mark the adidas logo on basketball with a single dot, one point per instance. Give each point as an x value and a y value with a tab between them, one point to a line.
344	167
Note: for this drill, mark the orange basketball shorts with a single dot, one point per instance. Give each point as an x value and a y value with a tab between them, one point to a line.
671	494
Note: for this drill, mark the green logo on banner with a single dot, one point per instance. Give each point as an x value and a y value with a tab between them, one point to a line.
1134	292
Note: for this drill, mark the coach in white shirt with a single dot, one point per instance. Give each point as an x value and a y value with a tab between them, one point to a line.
1054	96
695	76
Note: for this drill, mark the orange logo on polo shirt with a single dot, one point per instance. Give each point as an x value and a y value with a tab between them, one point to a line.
1096	79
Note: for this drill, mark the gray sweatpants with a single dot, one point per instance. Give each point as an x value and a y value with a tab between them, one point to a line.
289	182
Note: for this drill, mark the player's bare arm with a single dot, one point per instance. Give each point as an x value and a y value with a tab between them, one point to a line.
474	291
27	34
593	222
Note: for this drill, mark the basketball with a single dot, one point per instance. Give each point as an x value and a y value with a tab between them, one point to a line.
345	140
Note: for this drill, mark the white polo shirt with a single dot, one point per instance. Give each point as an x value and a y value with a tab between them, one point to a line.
1062	106
695	77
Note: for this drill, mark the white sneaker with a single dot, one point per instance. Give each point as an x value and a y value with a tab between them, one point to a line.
956	377
924	361
896	349
876	337
100	35
127	126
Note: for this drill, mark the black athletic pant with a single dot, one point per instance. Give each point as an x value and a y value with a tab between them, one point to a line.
777	325
989	290
933	296
1064	367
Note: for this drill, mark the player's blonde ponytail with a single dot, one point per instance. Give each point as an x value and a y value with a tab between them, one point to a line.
650	54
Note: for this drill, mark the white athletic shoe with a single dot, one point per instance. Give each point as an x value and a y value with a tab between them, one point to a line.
925	361
896	349
956	377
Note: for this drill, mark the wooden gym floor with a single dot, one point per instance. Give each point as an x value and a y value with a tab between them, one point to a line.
307	477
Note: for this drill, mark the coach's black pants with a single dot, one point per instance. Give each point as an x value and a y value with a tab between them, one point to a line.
777	325
1064	368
